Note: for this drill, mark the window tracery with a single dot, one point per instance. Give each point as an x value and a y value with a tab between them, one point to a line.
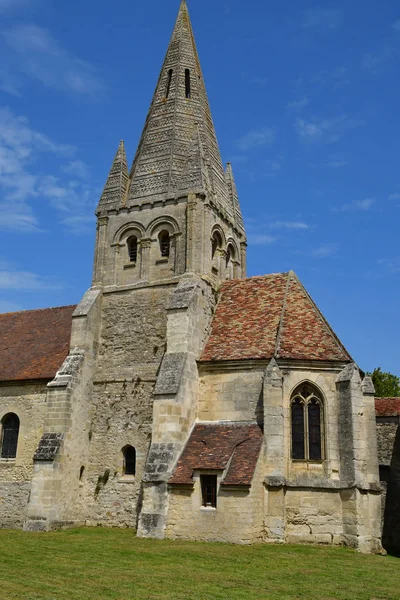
307	421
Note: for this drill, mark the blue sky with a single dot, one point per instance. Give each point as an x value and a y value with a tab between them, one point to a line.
305	99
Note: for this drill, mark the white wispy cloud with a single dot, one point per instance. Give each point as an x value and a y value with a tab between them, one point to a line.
394	197
375	61
328	131
261	239
358	205
272	167
324	251
22	179
77	168
322	19
256	138
299	225
337	164
298	105
79	224
24	280
31	52
396	25
6	5
391	264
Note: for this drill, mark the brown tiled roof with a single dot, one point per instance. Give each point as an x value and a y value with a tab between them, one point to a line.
270	316
34	343
211	446
387	407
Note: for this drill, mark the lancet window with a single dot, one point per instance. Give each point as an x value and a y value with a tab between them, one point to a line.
307	424
9	436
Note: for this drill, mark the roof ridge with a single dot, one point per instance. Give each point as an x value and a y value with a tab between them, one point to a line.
323	319
282	319
31	310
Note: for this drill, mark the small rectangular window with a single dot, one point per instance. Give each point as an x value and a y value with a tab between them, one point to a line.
209	490
384	473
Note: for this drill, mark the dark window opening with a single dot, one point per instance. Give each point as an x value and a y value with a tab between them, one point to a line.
187	84
209	490
169	81
129	453
133	249
384	473
216	243
298	450
307	424
81	472
165	244
9	436
314	431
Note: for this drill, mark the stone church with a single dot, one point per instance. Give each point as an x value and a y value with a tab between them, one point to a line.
180	398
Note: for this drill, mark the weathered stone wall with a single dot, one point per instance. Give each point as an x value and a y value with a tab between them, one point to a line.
27	401
230	395
238	518
388	433
131	346
313	517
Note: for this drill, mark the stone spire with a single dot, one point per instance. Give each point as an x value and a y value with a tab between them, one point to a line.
234	198
178	152
117	182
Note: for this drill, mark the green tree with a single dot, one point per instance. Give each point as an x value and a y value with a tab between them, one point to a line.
386	385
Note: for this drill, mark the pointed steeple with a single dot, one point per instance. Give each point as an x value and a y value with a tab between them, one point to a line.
230	182
179	118
117	182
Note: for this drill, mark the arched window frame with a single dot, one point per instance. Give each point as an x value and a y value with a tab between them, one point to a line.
132	244
10	426
216	243
307	424
129	461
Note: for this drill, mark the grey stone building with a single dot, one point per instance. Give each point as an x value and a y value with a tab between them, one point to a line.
179	397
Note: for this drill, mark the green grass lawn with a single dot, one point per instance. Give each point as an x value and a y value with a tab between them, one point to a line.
97	564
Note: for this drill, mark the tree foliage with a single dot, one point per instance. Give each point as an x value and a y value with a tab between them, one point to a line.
386	385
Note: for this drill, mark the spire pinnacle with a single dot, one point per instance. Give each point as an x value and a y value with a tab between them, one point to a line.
117	182
234	198
178	111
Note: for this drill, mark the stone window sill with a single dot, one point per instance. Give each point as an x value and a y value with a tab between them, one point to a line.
162	261
127	479
208	508
131	265
7	461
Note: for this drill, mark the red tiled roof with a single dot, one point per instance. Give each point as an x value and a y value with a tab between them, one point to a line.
273	315
211	446
34	343
387	407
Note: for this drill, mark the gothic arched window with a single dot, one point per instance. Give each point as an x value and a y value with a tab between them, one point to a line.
9	436
165	243
307	424
129	454
133	248
230	257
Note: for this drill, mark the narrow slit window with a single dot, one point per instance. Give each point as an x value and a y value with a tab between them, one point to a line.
169	81
133	249
129	453
165	244
187	84
9	436
209	490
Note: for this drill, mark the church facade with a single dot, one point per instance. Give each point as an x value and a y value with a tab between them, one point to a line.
179	397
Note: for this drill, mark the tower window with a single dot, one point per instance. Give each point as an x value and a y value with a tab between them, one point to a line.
307	424
216	243
169	80
165	244
9	436
133	249
129	453
187	84
209	490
